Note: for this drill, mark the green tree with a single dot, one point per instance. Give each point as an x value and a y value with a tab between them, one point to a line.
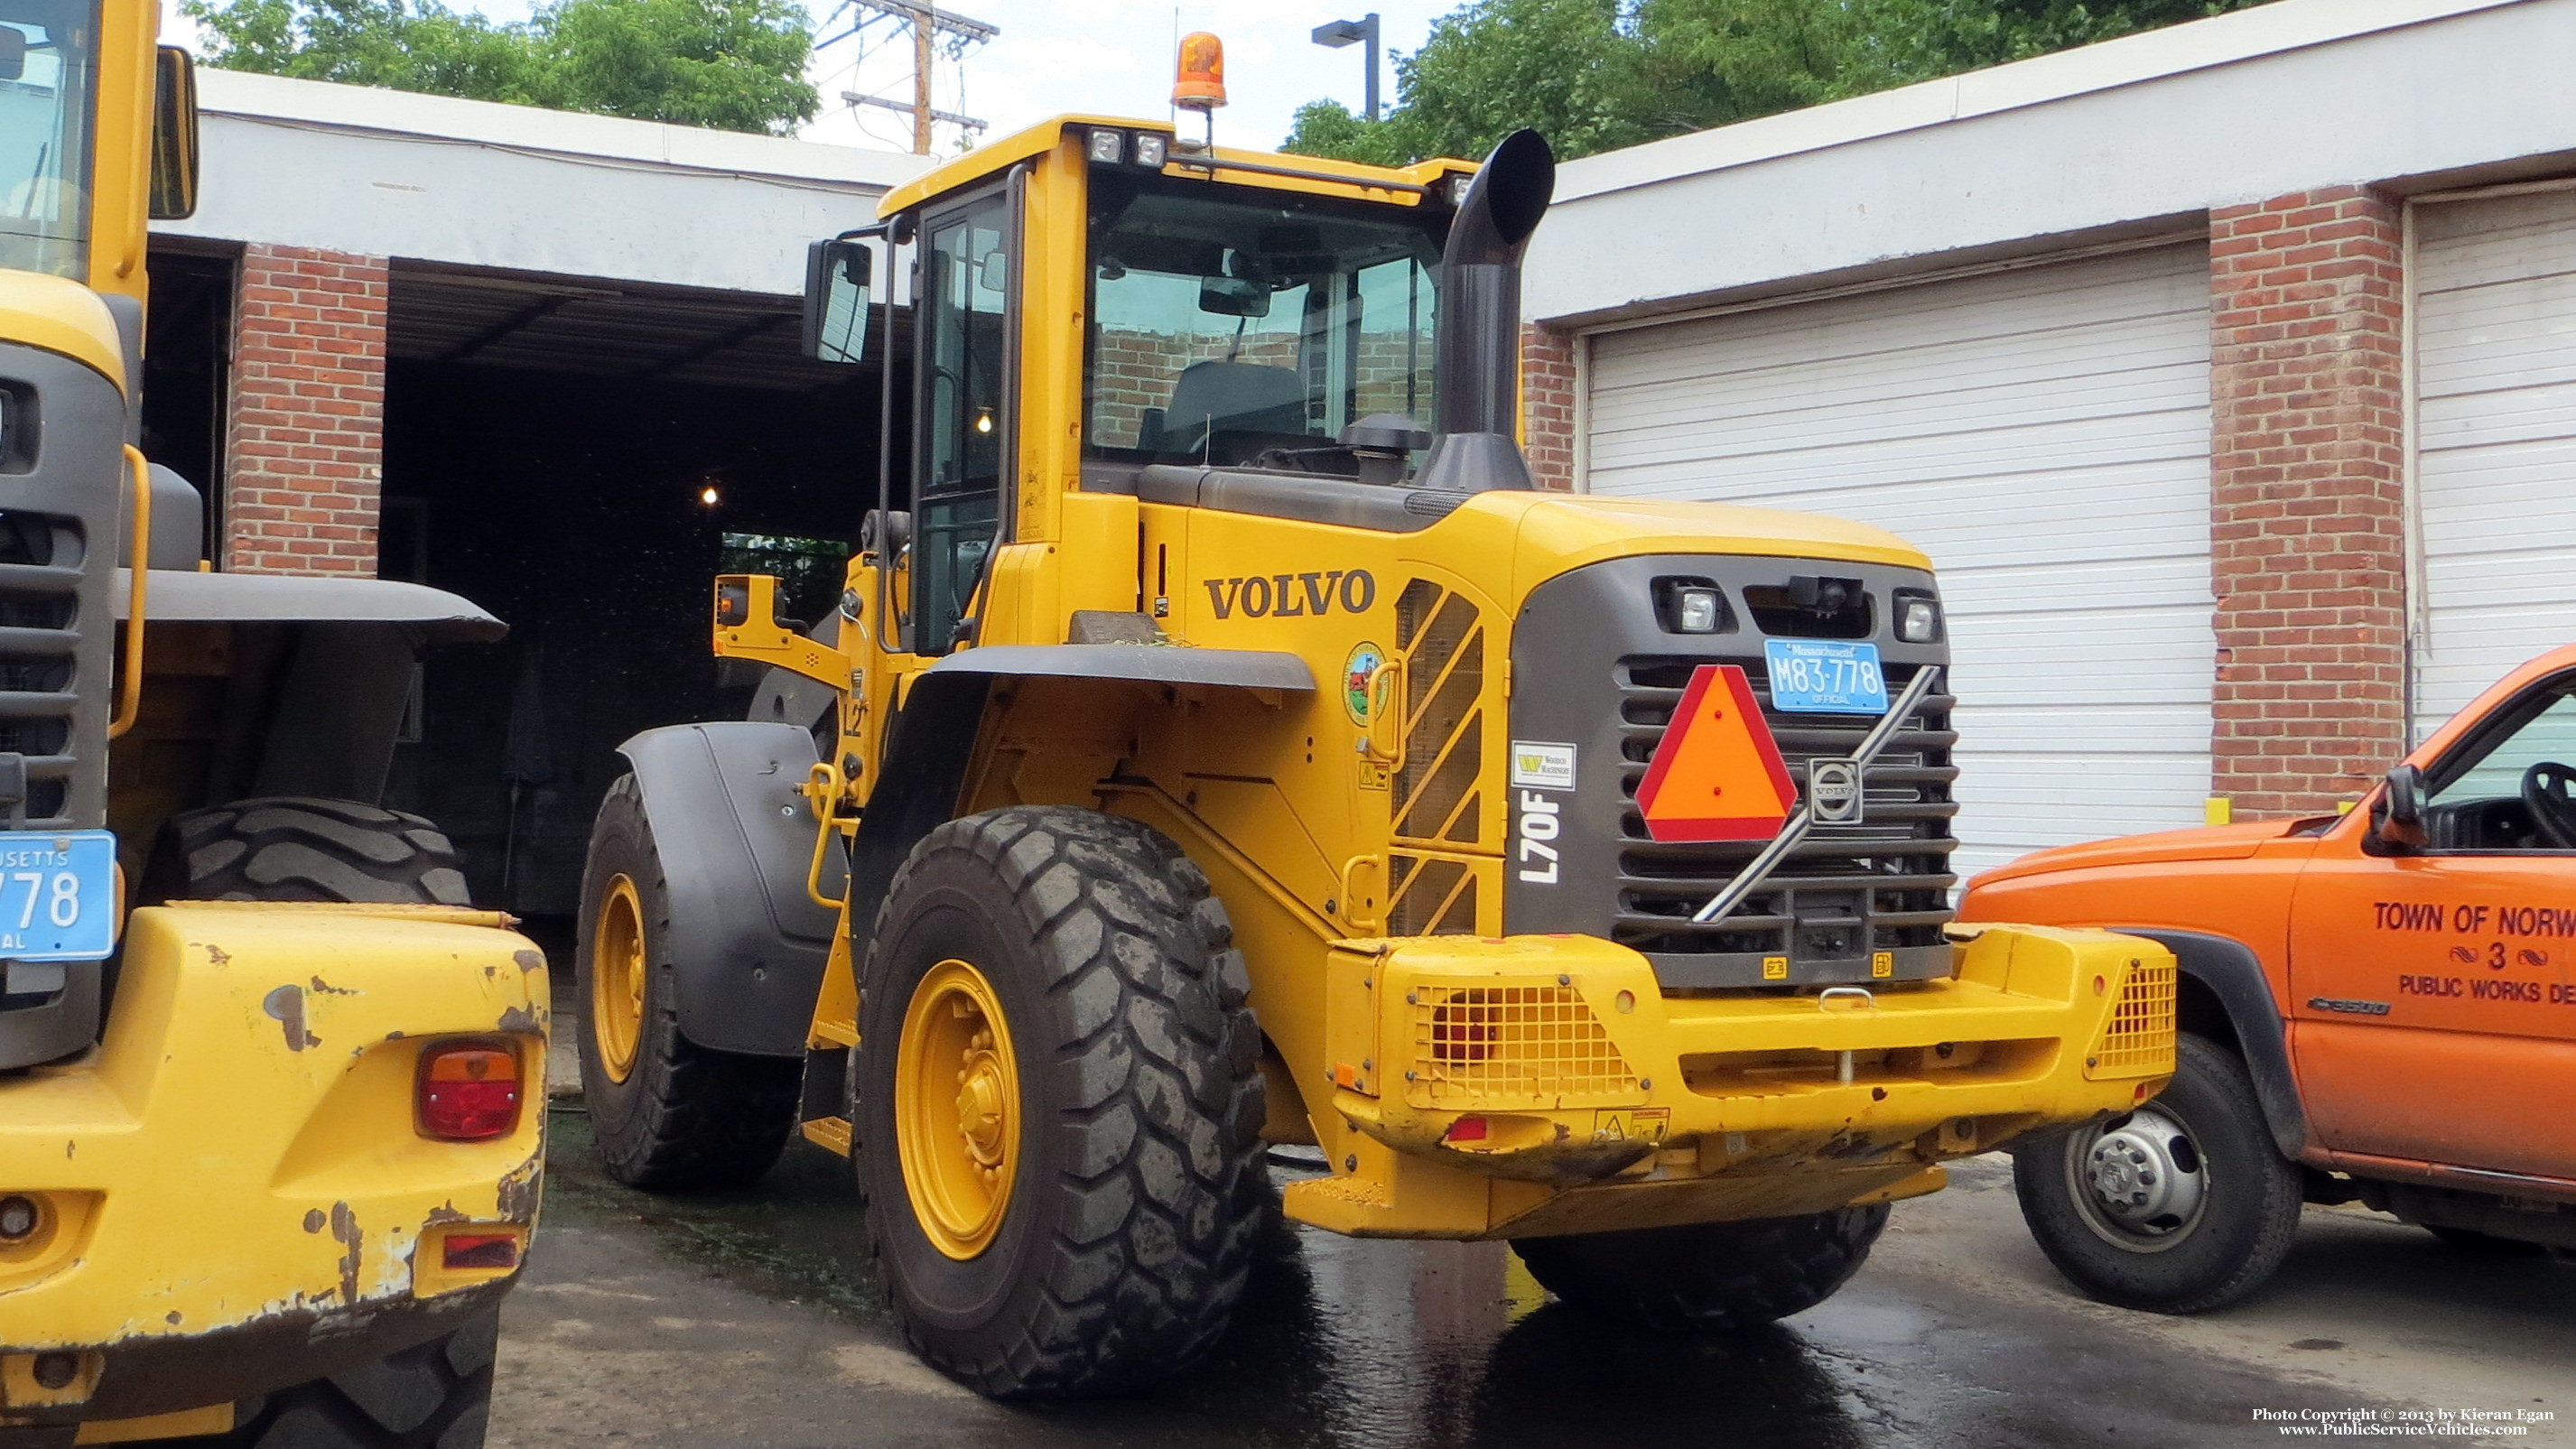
733	64
1598	74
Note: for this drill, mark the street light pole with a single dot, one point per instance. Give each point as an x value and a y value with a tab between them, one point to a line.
1344	32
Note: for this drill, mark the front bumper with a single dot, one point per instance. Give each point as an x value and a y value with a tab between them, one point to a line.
1544	1084
234	1198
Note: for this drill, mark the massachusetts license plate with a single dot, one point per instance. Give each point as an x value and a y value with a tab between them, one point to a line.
1813	676
57	895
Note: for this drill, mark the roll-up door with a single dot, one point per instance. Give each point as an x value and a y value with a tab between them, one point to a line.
2495	437
2042	433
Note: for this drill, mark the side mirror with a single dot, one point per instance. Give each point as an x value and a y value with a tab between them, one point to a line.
174	131
838	277
13	53
2402	819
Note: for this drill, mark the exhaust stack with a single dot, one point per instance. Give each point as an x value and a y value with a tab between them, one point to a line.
1479	320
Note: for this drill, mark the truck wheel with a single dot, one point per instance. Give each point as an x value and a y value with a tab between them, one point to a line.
2180	1206
435	1396
667	1113
1059	1104
286	848
1707	1277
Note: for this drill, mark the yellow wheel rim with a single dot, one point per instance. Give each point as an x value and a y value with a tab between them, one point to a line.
957	1109
617	978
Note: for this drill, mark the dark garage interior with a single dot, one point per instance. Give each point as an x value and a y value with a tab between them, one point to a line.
551	450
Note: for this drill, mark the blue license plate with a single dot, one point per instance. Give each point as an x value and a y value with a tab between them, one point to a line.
57	895
1814	677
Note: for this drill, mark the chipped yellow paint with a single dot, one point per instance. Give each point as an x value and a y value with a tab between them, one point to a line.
240	1175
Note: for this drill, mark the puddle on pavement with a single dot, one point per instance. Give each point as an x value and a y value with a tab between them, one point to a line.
1339	1342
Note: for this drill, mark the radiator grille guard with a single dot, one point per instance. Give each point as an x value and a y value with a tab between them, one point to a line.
1594	668
62	465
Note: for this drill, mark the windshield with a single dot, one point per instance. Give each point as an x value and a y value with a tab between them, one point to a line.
1231	324
48	67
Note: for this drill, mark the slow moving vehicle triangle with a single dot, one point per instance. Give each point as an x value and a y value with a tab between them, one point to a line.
1717	774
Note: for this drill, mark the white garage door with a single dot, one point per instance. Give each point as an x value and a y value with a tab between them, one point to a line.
2495	330
2043	434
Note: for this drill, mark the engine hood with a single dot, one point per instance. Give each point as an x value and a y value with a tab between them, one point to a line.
2166	847
1557	533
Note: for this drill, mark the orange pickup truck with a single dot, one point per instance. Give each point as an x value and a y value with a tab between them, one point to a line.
2377	1006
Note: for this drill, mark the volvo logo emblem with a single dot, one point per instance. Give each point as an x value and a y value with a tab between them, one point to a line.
1833	792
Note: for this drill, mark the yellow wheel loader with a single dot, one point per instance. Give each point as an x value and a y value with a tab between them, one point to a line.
267	1164
1220	742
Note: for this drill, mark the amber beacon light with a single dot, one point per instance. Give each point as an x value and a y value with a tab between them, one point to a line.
1198	81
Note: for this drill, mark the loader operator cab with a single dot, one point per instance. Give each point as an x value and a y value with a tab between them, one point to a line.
1226	325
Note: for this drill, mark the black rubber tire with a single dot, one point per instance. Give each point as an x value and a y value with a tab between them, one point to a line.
2251	1211
686	1116
435	1396
2470	1240
290	848
1706	1277
1124	1246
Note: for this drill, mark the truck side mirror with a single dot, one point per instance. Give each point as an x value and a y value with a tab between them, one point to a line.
13	53
2402	818
174	135
838	275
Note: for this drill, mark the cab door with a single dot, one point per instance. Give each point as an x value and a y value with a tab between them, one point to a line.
2433	1016
963	361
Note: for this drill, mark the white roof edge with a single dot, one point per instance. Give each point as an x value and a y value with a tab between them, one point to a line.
2284	25
327	105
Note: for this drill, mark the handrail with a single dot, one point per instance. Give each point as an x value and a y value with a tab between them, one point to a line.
129	703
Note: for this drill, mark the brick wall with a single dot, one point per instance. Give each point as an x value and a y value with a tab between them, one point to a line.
2308	548
305	436
1547	406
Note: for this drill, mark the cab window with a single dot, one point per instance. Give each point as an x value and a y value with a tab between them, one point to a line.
1241	325
2509	787
965	288
48	67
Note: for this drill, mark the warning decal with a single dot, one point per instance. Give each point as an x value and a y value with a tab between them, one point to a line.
1717	774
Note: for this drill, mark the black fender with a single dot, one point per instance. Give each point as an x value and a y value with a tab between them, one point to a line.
931	741
2234	975
747	943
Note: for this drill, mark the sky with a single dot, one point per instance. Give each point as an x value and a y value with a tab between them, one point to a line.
1102	56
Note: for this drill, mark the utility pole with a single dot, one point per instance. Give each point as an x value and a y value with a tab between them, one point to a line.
928	24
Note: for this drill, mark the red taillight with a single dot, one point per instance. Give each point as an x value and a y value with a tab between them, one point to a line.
482	1250
468	1091
1467	1129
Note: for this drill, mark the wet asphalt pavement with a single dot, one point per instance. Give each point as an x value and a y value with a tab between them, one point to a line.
748	1318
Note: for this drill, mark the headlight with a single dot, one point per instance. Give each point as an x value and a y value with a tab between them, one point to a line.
1108	147
1918	619
1152	147
1696	611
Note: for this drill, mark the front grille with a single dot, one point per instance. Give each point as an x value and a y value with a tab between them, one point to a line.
1506	1045
40	576
2140	1038
1847	891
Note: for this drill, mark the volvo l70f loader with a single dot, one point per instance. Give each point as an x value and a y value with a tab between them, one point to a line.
1219	741
265	1168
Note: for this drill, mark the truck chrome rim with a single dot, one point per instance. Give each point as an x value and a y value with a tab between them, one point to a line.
957	1109
617	978
2142	1182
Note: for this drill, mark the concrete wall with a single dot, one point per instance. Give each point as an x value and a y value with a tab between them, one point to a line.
2288	97
386	174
